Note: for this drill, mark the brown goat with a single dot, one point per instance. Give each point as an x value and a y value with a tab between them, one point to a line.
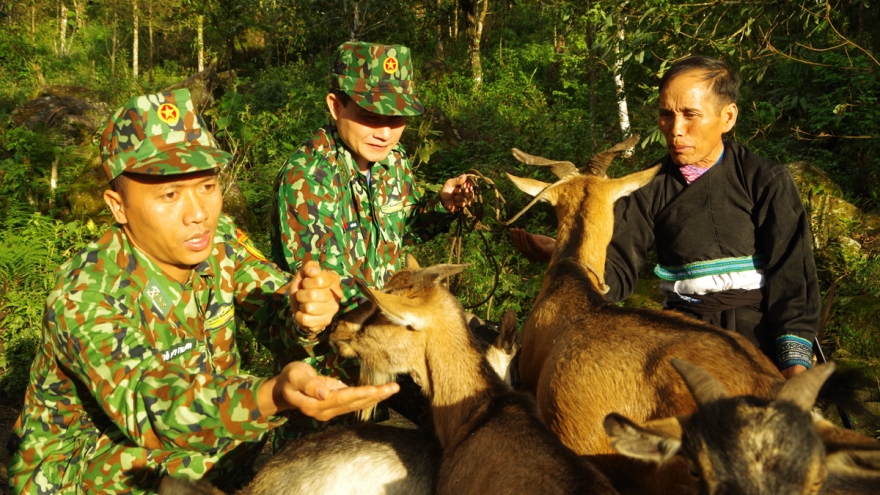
491	438
756	446
584	357
365	459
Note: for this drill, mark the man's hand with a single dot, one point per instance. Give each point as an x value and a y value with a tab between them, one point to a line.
315	297
457	193
298	386
793	370
534	247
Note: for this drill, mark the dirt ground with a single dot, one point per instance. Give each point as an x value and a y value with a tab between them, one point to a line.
8	416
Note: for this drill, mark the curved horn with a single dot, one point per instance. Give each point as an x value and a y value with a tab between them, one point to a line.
703	386
803	388
560	169
600	161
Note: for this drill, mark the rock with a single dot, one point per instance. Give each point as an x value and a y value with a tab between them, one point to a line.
831	217
86	195
205	87
78	118
235	205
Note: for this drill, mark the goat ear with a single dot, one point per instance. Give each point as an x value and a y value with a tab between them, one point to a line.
411	262
632	182
435	274
838	439
534	187
803	388
508	338
703	386
637	442
857	470
401	310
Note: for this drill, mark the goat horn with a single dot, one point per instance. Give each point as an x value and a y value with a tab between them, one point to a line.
560	169
803	388
600	161
411	262
703	386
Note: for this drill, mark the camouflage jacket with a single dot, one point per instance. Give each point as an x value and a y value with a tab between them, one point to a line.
324	210
138	375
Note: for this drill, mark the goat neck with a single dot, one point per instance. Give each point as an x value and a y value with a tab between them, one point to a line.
460	381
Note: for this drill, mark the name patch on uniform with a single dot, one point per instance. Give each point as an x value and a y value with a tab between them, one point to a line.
348	227
178	349
392	207
221	318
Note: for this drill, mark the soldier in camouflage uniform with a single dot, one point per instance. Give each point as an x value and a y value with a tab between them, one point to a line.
347	198
138	375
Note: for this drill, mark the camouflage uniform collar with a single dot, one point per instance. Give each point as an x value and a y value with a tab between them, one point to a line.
347	166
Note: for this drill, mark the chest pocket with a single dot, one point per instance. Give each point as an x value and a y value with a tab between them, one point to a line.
394	213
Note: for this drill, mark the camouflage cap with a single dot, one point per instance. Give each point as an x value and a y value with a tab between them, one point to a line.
159	134
379	78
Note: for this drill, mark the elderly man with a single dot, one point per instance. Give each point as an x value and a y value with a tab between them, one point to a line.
347	198
138	376
728	226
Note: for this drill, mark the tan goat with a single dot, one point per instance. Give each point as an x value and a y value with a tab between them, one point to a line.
584	357
491	439
365	459
756	446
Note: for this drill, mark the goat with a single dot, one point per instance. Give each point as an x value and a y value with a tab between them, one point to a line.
584	357
491	438
756	446
365	459
368	459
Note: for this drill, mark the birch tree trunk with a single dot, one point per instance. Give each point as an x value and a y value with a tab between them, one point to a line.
475	10
201	40
134	40
622	110
63	27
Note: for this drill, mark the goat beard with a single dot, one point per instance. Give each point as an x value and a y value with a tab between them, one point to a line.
370	376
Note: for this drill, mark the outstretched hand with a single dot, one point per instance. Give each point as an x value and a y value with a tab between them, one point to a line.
457	193
298	386
535	247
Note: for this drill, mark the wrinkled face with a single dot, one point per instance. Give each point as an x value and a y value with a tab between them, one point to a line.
172	219
368	135
692	120
758	450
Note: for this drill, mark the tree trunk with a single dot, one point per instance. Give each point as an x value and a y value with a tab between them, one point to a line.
439	50
201	41
114	43
622	110
34	22
63	27
134	40
150	31
475	10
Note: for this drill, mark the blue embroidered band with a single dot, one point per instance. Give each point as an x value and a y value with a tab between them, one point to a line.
792	350
711	267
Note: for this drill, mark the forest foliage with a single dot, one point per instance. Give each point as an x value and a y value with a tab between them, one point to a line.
548	78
